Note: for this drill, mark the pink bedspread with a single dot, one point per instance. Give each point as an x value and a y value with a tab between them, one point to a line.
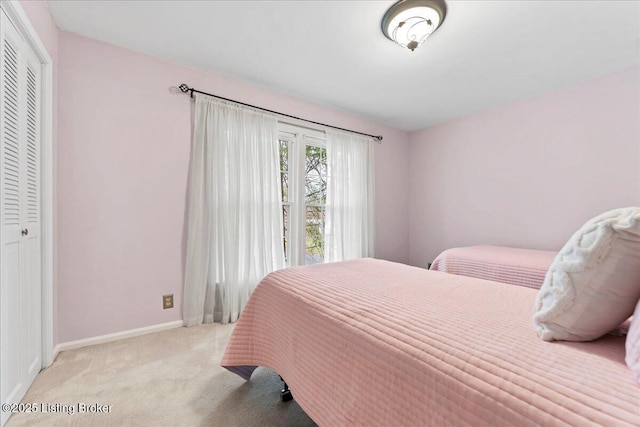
375	343
524	267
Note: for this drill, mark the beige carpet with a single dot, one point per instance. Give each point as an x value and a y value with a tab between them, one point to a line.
169	378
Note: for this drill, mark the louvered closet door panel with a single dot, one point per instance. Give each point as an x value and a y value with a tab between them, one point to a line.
11	206
20	256
11	122
32	151
31	289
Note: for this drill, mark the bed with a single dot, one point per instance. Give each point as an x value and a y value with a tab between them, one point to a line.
523	267
375	343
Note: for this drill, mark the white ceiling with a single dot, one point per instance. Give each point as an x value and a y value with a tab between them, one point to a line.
333	53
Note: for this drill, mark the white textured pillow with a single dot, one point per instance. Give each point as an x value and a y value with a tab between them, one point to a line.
594	283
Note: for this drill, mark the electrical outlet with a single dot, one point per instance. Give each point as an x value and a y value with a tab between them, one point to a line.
167	301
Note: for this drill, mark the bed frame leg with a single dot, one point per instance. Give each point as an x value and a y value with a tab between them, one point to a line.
285	393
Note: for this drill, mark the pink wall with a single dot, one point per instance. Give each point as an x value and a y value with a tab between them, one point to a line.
123	163
40	17
526	174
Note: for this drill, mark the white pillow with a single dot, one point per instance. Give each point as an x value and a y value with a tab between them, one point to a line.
594	283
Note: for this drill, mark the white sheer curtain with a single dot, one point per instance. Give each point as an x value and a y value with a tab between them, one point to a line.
234	233
349	228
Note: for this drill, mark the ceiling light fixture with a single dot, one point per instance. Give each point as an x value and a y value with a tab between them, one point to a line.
411	22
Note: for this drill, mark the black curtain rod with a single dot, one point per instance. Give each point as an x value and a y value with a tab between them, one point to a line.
184	88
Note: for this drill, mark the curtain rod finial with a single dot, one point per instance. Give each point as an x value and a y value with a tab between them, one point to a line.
184	88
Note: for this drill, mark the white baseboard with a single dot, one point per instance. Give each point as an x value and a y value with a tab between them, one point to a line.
72	345
56	350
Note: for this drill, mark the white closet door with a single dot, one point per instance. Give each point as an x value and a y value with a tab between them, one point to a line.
20	254
31	242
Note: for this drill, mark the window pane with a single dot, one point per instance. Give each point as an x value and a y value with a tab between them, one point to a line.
314	239
284	168
315	181
285	228
284	155
284	184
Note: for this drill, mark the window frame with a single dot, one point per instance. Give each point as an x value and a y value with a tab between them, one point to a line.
297	137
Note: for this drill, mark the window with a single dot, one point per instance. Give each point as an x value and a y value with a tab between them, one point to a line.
303	178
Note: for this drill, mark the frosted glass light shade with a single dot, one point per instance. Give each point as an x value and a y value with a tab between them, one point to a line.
410	22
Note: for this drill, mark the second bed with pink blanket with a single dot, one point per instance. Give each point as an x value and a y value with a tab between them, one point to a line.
524	267
375	343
